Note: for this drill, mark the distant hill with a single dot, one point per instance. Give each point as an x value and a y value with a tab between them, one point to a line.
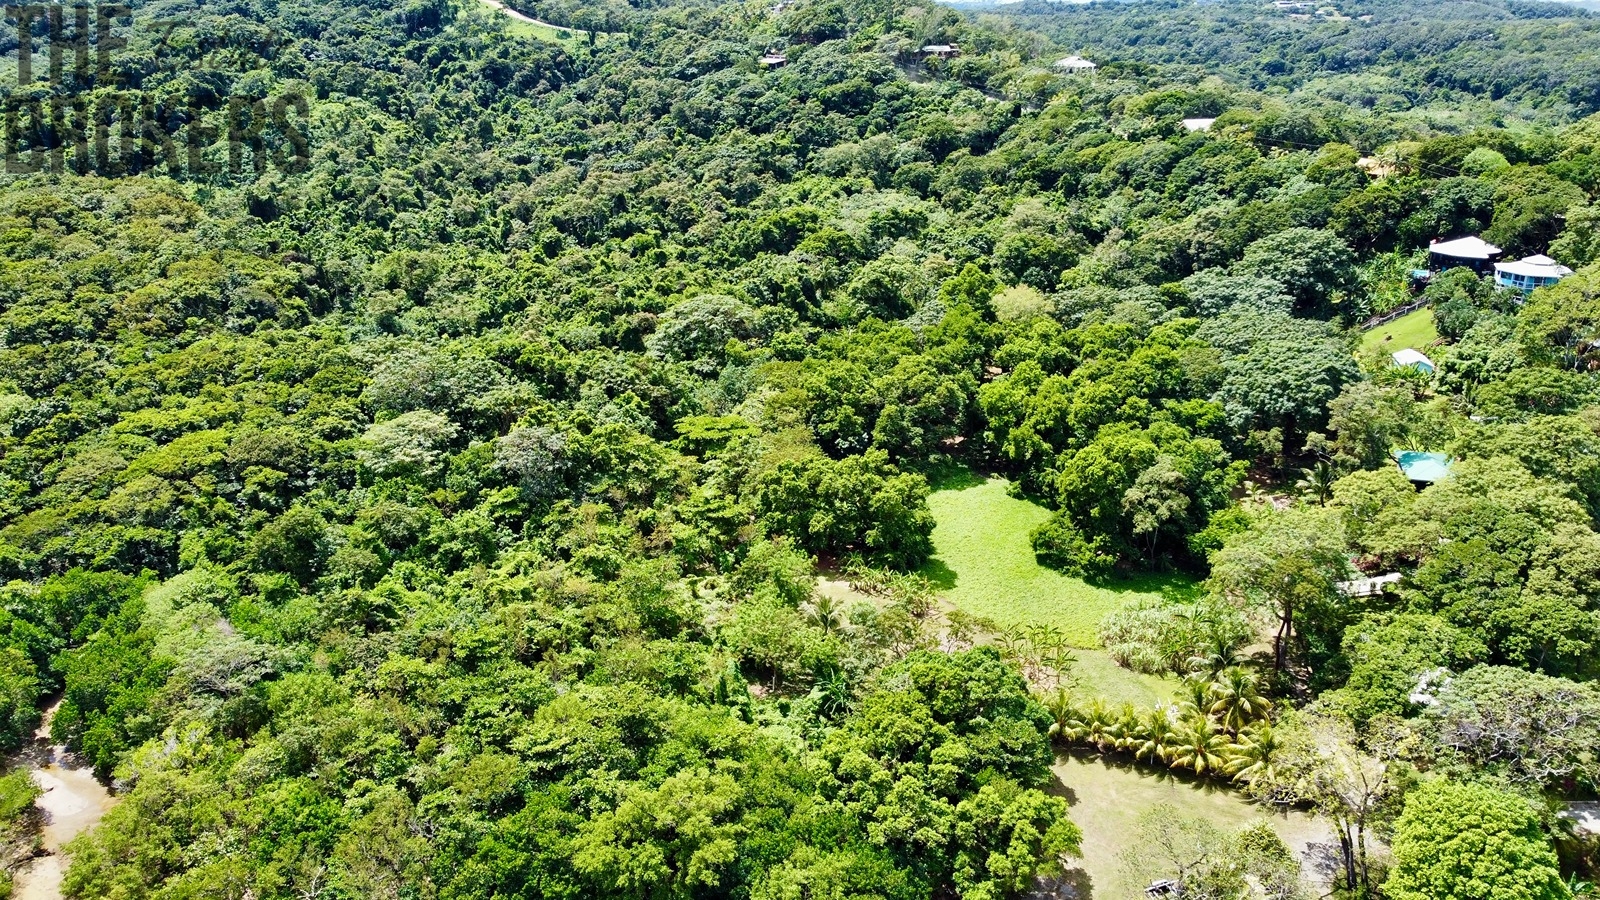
1532	60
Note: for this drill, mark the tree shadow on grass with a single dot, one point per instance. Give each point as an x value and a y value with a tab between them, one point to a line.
952	476
1070	884
940	575
1173	586
1145	769
1057	788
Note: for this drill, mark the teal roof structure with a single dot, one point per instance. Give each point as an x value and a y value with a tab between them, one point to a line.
1423	467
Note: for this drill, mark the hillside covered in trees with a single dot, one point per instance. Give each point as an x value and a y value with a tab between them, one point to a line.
425	499
1424	62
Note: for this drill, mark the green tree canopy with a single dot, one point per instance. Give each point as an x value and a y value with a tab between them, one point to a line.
1469	842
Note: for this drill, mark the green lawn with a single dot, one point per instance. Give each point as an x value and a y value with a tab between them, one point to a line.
542	32
1097	674
984	565
518	24
1414	330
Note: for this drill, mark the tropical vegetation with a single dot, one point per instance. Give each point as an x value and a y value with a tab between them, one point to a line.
421	491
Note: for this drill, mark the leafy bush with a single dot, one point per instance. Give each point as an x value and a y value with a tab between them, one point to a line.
18	790
1176	638
1059	545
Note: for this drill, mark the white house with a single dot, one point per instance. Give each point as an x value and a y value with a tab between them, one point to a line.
1198	124
1075	64
1367	587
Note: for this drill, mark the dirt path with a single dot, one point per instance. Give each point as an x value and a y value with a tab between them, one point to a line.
73	802
521	17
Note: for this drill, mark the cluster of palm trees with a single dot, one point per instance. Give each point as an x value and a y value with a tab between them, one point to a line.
1217	728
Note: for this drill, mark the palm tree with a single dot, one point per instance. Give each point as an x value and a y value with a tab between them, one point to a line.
825	614
1013	643
1217	653
1061	659
1094	725
1059	704
1124	728
1236	699
1200	746
1252	758
1395	160
1318	481
1046	636
1194	699
1171	646
1051	653
1154	733
832	691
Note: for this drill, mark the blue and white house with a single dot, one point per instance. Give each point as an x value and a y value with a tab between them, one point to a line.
1528	273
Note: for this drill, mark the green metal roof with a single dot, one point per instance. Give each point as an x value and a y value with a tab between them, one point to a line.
1424	467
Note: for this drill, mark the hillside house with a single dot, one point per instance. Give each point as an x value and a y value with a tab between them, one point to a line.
1530	272
1076	65
1198	124
1375	167
1472	252
941	51
1368	587
773	60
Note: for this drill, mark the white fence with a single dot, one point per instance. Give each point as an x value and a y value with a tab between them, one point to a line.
1393	314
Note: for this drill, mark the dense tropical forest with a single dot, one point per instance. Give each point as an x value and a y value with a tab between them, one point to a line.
423	495
1426	63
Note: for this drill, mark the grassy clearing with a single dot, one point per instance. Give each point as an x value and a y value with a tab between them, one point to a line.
1109	796
1098	675
522	25
984	564
540	32
1414	330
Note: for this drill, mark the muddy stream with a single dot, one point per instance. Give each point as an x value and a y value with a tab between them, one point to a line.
72	802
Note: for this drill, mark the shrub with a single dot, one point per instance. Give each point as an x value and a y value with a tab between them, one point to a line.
1059	545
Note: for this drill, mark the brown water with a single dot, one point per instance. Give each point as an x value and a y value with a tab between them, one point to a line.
1107	799
72	802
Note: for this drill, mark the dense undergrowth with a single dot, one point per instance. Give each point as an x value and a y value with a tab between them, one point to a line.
437	518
